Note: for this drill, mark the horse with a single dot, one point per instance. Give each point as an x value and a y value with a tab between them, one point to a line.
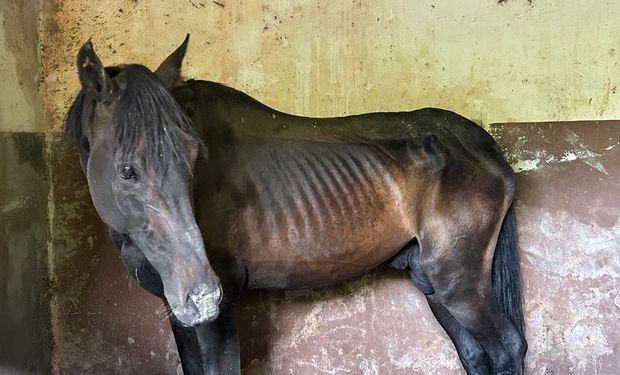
208	193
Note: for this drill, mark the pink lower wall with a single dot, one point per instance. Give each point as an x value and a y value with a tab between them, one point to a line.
568	213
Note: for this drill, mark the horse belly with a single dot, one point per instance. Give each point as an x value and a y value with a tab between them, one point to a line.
341	249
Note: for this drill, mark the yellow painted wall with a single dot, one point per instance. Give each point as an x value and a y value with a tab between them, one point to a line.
520	61
20	99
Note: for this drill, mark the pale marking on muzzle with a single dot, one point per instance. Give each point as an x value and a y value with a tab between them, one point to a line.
207	303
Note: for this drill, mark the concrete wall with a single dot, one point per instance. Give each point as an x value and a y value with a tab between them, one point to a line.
525	61
20	100
25	340
521	60
569	226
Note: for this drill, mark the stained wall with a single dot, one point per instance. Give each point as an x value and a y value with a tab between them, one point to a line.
25	340
515	61
521	60
103	322
569	227
20	99
569	230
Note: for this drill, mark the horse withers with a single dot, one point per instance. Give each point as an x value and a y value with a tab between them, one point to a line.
207	193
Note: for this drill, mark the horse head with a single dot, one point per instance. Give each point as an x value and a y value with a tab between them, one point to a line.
138	150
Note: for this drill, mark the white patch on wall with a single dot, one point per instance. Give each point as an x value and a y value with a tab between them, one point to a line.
594	243
528	160
525	165
573	265
581	152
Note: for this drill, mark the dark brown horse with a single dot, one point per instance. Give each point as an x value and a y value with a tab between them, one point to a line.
249	197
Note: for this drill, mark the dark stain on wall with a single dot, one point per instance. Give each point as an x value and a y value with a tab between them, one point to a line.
502	2
25	340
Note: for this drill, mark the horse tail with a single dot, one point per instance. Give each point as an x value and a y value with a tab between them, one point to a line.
506	274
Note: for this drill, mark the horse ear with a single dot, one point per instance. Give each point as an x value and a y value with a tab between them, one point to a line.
95	80
170	70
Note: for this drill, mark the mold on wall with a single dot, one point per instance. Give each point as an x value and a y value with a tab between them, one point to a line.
25	341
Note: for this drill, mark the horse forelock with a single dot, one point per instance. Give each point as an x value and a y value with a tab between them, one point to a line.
143	118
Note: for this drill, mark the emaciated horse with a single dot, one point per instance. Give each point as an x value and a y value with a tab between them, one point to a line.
207	193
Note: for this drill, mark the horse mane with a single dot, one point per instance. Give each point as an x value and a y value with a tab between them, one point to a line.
73	121
145	111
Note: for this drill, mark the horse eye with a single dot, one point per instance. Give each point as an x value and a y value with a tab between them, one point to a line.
127	172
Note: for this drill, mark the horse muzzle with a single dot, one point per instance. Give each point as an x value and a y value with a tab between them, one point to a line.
201	306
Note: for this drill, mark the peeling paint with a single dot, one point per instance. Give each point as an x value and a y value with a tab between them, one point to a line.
525	165
523	160
582	153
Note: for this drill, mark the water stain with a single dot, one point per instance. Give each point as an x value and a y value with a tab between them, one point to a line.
21	34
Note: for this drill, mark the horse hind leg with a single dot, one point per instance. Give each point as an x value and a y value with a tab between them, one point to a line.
471	354
473	357
459	269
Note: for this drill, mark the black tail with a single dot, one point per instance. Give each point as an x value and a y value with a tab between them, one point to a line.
506	279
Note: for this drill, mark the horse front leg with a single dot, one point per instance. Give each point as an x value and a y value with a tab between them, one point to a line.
187	346
147	277
219	344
